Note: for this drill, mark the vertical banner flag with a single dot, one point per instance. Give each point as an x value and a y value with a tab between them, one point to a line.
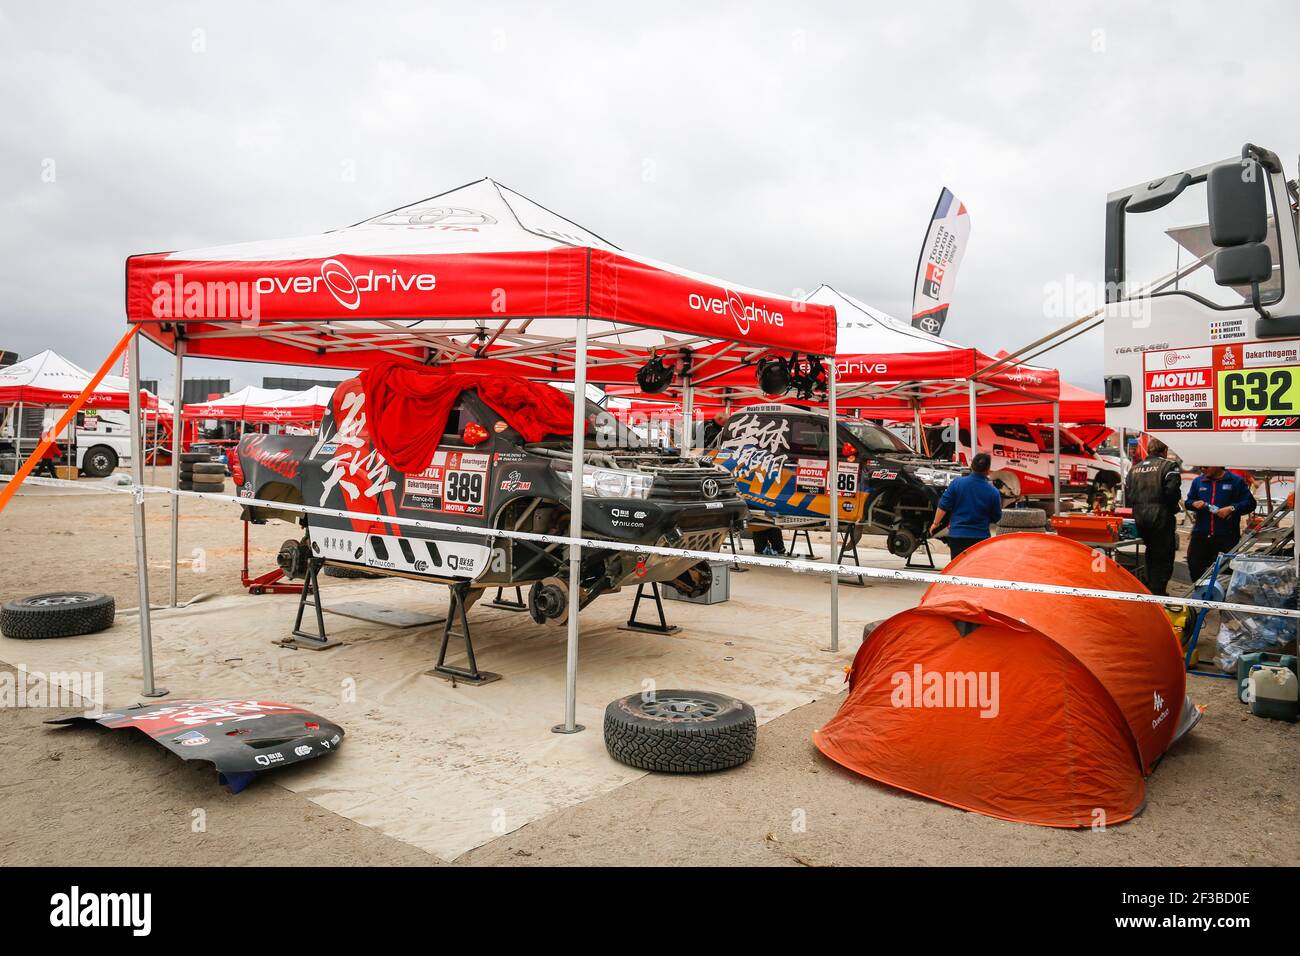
936	270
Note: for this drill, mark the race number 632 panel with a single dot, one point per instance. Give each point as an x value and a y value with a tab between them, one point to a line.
1241	386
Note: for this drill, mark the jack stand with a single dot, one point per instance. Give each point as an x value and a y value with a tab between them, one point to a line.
807	539
663	627
456	616
516	605
849	545
301	640
269	583
929	556
732	543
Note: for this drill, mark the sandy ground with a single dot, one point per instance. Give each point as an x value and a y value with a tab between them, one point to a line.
1226	795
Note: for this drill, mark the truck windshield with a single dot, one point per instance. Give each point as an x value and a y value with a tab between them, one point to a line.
873	438
1168	250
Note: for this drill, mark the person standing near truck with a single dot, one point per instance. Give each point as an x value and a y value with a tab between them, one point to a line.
1217	498
1153	490
973	503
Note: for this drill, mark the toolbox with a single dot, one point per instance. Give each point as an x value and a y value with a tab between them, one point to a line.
1091	528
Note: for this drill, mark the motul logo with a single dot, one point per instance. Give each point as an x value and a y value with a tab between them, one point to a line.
1198	378
743	313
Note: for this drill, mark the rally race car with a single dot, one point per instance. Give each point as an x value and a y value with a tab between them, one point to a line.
1022	457
485	474
779	457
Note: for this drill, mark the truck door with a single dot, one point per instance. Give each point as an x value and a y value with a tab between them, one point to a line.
1202	313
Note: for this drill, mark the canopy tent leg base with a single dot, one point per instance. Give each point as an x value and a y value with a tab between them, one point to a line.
310	596
157	692
457	625
649	627
501	603
561	729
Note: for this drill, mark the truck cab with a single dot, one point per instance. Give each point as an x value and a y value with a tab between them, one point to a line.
1202	312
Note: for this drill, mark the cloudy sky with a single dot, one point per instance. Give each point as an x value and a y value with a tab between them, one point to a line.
778	146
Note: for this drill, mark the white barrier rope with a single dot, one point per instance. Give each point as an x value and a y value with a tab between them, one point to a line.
789	564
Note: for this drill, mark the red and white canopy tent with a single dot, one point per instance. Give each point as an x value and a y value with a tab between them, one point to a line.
49	379
237	406
479	274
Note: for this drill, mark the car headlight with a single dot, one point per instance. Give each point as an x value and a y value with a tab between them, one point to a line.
612	482
933	476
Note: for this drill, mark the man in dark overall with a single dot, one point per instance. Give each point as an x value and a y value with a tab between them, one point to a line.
1153	490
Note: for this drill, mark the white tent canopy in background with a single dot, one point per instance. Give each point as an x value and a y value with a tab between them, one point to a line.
236	405
47	378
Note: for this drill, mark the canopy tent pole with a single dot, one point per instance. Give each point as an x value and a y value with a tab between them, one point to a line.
1123	467
1056	457
178	426
918	438
137	517
833	490
18	439
688	415
974	442
571	725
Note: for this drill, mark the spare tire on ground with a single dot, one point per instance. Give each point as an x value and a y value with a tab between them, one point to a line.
195	457
208	468
1021	518
57	614
680	731
335	571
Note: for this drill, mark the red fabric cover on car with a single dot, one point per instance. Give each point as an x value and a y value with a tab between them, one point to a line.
407	408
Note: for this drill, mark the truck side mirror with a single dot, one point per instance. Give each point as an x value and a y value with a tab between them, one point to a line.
1238	204
1238	207
1248	264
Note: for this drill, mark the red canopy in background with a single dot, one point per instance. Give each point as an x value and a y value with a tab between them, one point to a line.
1078	407
49	379
265	405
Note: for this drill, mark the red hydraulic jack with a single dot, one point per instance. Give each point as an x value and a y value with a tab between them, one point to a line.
272	582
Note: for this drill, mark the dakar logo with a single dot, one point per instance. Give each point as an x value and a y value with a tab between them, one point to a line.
1229	357
743	313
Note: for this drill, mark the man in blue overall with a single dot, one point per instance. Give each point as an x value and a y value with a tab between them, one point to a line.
1217	500
973	503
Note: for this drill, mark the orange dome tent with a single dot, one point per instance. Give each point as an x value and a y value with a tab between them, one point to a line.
1037	708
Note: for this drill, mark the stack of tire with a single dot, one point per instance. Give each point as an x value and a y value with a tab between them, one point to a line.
1022	519
200	473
